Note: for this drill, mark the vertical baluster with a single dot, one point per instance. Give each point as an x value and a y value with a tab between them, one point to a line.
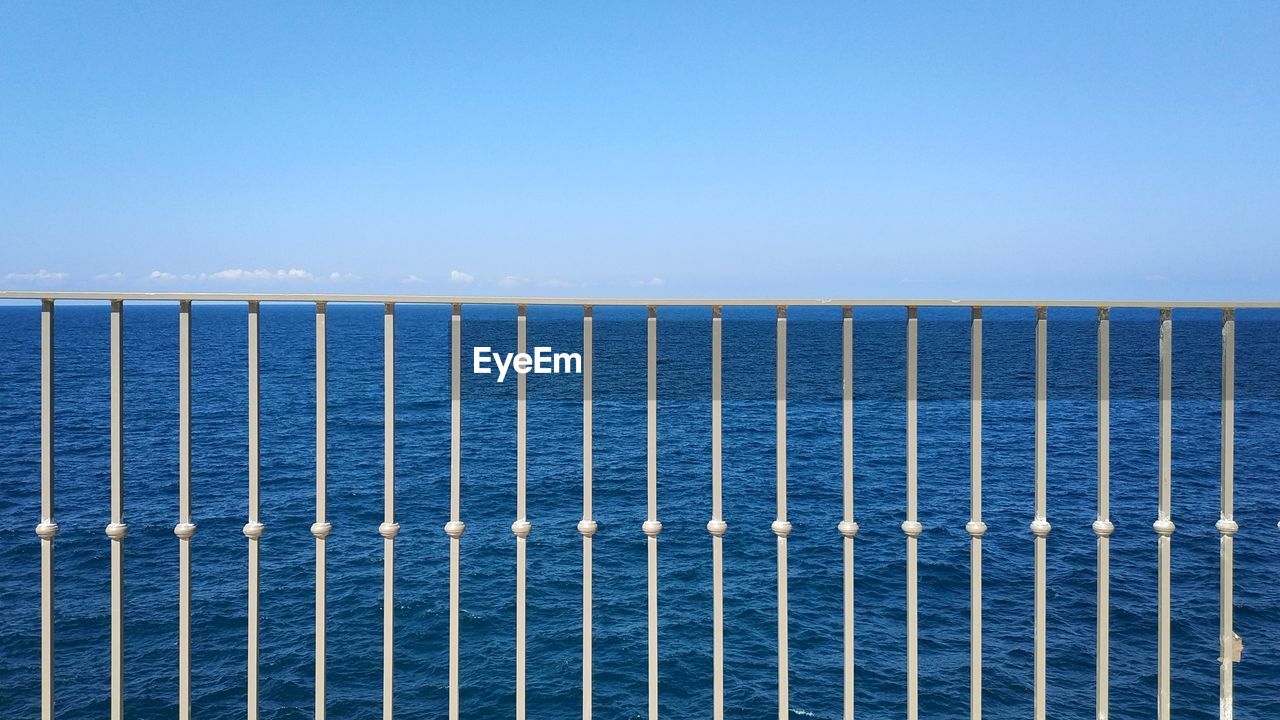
389	527
716	526
975	527
47	529
652	526
455	526
780	526
1103	527
117	529
911	526
848	527
254	527
321	528
185	528
1040	525
1164	524
587	526
521	526
1227	526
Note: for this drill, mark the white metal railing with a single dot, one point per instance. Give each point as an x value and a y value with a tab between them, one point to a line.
47	529
389	527
586	526
1164	524
1226	525
911	526
717	526
652	526
975	527
185	529
254	527
848	527
117	530
455	526
521	526
1040	525
1103	527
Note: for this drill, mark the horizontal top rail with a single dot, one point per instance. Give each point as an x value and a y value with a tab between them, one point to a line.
635	301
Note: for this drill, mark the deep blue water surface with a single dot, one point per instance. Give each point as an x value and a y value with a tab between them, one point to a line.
554	499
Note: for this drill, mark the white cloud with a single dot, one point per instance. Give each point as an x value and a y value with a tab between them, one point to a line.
109	276
162	276
653	281
342	276
460	277
40	275
557	283
512	281
412	279
240	274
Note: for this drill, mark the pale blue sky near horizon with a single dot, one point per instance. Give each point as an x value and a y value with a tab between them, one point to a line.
690	149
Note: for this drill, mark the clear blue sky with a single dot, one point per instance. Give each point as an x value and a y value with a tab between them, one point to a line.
808	149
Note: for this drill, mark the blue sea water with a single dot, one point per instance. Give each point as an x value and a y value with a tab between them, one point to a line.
219	438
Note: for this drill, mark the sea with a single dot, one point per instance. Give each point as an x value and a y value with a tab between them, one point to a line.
488	486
